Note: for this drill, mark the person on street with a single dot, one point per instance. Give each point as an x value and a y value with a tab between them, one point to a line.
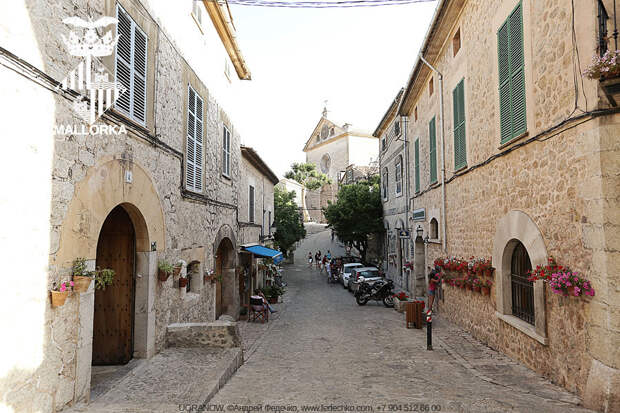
329	255
324	263
259	293
309	259
317	257
328	268
434	280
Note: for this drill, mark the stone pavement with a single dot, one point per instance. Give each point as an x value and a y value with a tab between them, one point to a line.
174	377
325	349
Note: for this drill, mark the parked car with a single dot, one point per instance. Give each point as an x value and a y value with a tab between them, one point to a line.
366	274
346	272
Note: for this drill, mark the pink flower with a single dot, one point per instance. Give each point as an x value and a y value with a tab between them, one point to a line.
71	283
577	291
63	287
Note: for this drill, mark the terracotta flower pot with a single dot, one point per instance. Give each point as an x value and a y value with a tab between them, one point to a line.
485	290
182	282
162	275
81	283
488	272
176	270
476	288
59	298
468	287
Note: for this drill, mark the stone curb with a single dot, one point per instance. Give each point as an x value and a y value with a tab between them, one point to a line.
227	372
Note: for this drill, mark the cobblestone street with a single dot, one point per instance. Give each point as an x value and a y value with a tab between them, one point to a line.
322	348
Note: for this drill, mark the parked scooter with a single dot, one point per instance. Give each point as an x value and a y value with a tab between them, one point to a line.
379	291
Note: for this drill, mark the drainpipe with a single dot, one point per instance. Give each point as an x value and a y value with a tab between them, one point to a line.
443	149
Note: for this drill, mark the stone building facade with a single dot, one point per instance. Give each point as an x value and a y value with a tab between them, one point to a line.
332	149
163	185
521	164
256	211
394	173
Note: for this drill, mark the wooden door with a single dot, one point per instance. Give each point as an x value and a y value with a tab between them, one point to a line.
114	306
218	289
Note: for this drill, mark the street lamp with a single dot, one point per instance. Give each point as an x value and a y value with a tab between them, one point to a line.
419	231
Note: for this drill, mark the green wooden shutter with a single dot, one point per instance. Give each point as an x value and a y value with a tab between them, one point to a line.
432	150
417	165
513	120
460	148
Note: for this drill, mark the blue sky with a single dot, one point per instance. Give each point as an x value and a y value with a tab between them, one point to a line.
357	59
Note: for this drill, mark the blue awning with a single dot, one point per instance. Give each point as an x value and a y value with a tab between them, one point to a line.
265	252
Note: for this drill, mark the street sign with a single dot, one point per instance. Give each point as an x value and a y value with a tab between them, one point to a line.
404	234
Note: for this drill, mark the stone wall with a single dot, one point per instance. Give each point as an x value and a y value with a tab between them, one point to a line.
89	178
565	182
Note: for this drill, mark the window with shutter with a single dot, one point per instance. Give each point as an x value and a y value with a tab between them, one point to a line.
194	144
513	121
460	148
226	153
385	184
399	176
131	67
251	204
432	150
417	165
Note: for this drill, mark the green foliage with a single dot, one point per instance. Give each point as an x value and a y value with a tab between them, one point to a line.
165	266
289	226
357	213
272	291
103	278
307	175
79	268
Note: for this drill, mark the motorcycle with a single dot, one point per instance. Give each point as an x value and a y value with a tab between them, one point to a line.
378	291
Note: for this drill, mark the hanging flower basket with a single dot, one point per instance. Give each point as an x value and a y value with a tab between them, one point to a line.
162	275
59	298
164	269
81	283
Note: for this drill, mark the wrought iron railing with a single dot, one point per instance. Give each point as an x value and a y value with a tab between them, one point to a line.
522	298
603	32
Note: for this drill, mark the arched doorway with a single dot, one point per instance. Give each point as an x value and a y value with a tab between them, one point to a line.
419	266
113	324
225	271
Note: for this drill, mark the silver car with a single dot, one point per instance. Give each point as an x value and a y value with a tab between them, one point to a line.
346	272
363	274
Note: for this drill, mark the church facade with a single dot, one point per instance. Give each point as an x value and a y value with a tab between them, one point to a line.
333	148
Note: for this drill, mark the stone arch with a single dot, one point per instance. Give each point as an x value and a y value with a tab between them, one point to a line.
516	226
104	187
225	261
433	228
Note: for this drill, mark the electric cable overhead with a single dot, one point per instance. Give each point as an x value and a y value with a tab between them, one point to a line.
295	4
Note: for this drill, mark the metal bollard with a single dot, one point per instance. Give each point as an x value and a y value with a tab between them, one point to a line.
429	331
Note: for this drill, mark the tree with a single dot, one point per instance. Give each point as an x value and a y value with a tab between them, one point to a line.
289	227
357	213
309	178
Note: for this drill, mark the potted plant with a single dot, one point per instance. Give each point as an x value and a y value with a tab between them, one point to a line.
164	270
208	276
400	300
607	70
60	294
183	282
177	268
570	284
485	288
476	285
103	278
468	283
81	276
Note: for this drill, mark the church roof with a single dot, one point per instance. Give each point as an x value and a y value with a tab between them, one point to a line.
334	132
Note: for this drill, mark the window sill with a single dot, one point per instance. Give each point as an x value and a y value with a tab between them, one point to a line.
523	327
461	169
513	140
226	176
434	185
434	241
129	121
398	195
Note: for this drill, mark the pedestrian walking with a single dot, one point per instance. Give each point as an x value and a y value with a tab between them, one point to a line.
317	258
309	259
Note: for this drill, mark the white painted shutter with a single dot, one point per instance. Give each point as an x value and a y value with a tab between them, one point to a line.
123	60
191	139
131	66
199	144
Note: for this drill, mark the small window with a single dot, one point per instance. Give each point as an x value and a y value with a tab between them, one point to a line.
193	277
399	176
269	222
331	132
251	204
430	87
324	132
434	229
226	153
385	184
522	289
415	113
456	42
383	145
397	128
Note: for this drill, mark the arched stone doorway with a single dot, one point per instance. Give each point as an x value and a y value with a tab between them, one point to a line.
113	324
225	271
